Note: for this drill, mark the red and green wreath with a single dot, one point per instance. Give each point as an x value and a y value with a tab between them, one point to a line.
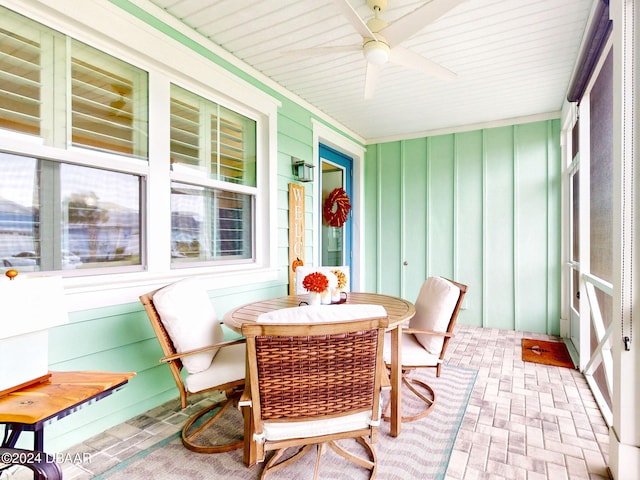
336	208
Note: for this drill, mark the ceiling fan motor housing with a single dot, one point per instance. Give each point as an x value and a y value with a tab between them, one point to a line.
375	51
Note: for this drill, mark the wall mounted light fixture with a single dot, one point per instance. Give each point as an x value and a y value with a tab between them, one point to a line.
302	171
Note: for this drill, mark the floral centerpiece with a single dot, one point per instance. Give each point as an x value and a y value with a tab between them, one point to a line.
315	283
341	284
342	279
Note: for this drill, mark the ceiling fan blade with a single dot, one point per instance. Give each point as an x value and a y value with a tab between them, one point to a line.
371	79
315	51
354	19
407	26
409	59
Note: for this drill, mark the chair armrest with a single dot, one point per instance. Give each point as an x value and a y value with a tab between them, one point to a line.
427	332
245	399
214	346
385	381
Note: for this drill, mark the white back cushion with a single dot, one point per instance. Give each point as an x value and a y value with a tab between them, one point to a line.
322	313
434	307
190	320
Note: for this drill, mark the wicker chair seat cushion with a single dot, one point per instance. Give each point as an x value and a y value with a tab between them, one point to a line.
303	271
435	304
229	365
413	353
323	313
314	428
190	320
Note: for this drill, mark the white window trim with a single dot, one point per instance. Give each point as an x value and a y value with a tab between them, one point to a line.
110	29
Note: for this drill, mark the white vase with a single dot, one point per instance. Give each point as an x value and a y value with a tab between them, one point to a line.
314	298
335	295
326	297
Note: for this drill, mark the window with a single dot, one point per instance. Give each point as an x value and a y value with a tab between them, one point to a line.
55	215
96	132
108	97
211	143
209	224
108	103
21	73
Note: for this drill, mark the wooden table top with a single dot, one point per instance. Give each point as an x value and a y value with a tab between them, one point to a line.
398	309
54	397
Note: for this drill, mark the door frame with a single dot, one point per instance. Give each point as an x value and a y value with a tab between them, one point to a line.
327	136
589	315
343	163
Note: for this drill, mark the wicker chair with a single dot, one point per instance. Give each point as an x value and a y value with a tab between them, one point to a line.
425	341
316	382
190	336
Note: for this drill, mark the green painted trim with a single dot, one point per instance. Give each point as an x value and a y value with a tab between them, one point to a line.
485	210
427	210
515	200
378	218
456	205
403	203
547	226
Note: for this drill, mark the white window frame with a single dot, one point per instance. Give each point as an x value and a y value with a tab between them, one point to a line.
112	30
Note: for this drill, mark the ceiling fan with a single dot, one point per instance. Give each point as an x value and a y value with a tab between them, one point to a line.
381	41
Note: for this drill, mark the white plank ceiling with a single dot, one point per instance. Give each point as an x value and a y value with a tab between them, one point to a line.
513	58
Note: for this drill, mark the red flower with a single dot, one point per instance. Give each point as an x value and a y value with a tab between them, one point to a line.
315	282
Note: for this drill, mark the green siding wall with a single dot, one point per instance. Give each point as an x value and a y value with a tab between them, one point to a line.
481	207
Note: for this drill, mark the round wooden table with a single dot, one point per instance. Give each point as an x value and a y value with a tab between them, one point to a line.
398	310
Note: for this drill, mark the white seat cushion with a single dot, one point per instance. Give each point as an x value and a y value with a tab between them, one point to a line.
315	428
322	313
229	365
413	353
435	304
190	320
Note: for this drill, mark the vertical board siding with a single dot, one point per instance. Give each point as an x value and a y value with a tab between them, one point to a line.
530	239
469	204
440	228
371	207
415	221
554	226
490	219
499	229
390	218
